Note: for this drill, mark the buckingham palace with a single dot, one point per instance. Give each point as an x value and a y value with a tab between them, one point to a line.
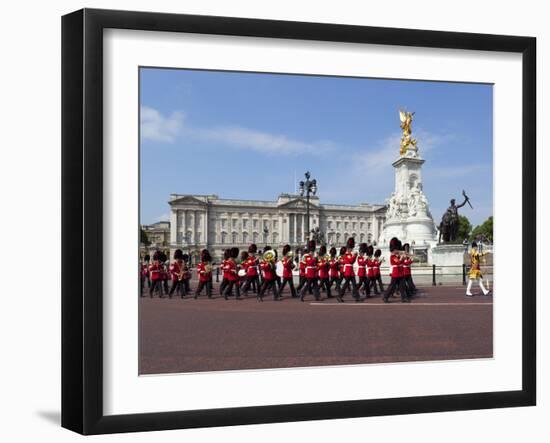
208	221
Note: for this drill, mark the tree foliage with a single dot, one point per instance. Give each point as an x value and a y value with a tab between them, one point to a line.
464	228
143	237
484	231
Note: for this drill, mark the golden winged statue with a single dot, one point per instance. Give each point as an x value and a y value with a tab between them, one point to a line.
406	139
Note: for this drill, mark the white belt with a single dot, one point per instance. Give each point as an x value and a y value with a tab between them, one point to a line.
347	264
311	267
369	268
361	267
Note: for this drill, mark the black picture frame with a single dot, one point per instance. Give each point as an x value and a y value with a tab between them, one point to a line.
82	218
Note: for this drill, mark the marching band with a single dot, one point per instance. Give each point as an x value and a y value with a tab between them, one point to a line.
262	272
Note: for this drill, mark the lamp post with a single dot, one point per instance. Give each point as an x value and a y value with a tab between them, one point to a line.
308	187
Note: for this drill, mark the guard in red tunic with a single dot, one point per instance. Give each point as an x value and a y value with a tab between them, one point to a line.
186	274
334	269
362	270
223	264
370	268
177	274
301	270
269	276
144	272
231	273
288	265
396	273
348	260
406	262
323	267
251	266
155	271
310	262
204	270
242	267
164	275
376	281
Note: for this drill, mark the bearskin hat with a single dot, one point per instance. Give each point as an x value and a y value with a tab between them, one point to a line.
394	244
267	248
147	258
370	250
252	249
322	250
205	255
178	254
343	250
377	253
362	247
286	249
226	254
234	252
185	257
162	256
350	244
311	245
244	255
332	251
474	244
156	255
406	247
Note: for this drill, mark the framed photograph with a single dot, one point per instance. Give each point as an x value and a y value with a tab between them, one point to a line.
269	221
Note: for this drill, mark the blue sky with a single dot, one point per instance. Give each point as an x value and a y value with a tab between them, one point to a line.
246	135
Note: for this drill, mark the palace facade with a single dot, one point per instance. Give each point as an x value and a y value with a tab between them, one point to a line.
207	221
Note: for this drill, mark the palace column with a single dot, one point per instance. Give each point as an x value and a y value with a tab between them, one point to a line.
184	227
173	227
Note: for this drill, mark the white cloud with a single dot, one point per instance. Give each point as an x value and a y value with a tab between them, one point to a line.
259	141
157	127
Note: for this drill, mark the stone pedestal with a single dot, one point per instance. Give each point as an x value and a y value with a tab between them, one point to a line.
449	256
408	213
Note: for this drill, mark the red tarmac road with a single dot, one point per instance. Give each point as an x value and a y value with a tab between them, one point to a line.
187	335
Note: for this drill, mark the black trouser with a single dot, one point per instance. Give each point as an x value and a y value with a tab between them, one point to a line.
253	280
204	284
290	282
301	283
373	285
349	281
165	285
411	288
267	285
186	285
223	284
325	284
229	288
178	286
364	284
396	283
310	286
336	281
157	284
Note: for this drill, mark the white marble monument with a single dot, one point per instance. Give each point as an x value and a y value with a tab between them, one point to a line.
408	214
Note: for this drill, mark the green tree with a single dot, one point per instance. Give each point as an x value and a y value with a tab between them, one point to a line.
483	231
464	228
143	237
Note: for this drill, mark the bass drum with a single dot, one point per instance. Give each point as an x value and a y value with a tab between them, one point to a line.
241	273
279	269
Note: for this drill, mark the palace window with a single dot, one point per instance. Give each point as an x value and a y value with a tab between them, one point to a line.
255	224
234	238
223	221
234	223
245	223
224	237
245	237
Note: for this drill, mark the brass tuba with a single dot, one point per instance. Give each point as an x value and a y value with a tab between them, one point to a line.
269	256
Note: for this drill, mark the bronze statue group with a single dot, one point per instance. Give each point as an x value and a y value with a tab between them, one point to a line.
336	273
